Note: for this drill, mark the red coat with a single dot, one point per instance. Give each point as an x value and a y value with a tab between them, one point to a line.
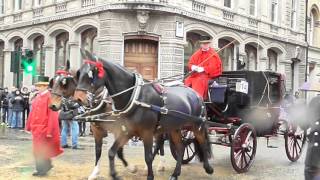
212	68
43	122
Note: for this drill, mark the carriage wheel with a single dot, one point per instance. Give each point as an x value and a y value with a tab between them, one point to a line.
189	148
295	138
243	148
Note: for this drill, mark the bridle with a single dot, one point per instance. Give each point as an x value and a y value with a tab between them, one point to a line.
62	74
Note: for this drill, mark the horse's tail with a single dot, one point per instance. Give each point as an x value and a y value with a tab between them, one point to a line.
207	144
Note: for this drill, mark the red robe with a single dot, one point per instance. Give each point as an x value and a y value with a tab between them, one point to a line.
43	122
212	69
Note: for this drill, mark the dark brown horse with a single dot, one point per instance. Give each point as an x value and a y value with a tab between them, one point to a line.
132	99
64	87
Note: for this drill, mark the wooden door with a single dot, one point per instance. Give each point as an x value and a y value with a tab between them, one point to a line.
142	56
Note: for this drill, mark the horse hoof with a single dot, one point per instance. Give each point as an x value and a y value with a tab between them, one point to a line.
209	170
116	178
161	168
132	169
150	178
173	178
92	177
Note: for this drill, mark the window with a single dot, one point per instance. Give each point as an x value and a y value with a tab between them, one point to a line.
293	14
253	7
37	3
227	3
1	6
312	33
274	11
17	5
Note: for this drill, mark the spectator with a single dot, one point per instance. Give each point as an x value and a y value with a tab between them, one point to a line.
17	102
25	94
82	126
4	104
69	110
43	124
8	98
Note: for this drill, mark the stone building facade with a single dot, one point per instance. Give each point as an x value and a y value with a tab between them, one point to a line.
154	37
313	34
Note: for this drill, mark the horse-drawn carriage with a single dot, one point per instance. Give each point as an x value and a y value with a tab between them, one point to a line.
242	106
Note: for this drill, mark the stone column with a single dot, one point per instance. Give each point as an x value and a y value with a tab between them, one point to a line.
8	75
75	56
49	61
263	59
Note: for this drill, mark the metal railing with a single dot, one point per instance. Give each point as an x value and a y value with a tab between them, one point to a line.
87	3
37	12
199	7
17	17
61	7
228	15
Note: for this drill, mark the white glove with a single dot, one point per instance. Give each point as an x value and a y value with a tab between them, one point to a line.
194	68
200	69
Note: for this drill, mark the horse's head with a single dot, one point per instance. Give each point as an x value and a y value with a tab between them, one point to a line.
90	77
64	85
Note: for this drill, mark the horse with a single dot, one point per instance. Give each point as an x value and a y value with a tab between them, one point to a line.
132	99
63	87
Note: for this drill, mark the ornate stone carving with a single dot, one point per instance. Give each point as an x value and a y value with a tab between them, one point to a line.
143	17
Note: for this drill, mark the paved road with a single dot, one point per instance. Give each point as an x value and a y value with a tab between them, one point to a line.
16	162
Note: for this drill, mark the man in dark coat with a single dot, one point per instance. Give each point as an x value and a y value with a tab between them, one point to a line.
312	162
17	102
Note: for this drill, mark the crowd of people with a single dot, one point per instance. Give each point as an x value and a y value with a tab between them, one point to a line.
15	105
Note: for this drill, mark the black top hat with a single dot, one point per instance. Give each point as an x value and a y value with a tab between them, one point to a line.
205	39
42	80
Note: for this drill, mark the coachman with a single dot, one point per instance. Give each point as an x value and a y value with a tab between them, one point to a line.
44	125
205	65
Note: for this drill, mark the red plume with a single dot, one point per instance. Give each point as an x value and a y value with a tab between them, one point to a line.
98	65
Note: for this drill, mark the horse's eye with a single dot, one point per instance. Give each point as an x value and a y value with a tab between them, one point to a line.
90	74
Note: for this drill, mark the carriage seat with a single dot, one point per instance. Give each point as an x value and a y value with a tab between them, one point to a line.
217	90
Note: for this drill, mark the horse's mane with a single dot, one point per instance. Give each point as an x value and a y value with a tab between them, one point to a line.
107	63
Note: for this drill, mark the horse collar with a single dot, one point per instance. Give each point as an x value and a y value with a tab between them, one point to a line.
134	96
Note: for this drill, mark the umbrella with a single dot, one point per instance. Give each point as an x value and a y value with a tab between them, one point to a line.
310	86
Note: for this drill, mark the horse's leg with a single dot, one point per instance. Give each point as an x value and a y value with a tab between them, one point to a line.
161	165
201	137
132	169
119	142
175	137
98	138
148	156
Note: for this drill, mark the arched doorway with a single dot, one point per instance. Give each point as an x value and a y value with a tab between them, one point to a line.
39	54
229	55
251	57
272	60
89	40
141	55
62	53
192	38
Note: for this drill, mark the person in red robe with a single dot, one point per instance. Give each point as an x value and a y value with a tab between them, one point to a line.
44	125
205	65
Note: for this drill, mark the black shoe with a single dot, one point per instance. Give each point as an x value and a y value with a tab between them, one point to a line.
65	146
39	173
77	147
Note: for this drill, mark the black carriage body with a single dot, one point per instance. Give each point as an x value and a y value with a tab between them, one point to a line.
259	106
